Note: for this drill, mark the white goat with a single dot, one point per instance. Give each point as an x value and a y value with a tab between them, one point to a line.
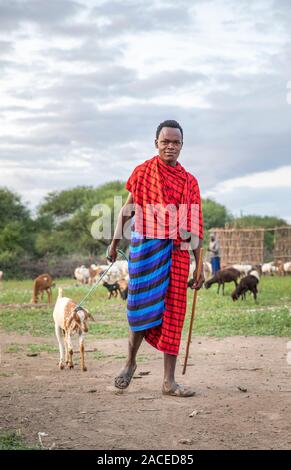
287	267
82	274
122	265
244	269
255	274
206	267
114	274
269	268
68	321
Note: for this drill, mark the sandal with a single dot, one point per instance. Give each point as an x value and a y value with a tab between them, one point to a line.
124	380
180	391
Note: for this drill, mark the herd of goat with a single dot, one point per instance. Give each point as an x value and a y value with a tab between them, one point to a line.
245	277
115	280
70	318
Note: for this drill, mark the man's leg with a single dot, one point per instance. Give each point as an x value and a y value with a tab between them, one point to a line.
170	386
214	265
124	377
169	372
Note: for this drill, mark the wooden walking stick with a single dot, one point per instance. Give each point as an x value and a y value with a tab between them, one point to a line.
199	268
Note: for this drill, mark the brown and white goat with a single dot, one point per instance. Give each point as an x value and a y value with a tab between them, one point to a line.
42	283
69	321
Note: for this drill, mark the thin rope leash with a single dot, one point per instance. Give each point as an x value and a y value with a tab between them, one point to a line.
99	280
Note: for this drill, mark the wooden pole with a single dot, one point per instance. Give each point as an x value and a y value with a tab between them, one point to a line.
199	268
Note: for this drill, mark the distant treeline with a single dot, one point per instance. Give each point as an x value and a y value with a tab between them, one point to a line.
58	236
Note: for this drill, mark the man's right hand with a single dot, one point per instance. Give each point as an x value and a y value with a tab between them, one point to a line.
112	253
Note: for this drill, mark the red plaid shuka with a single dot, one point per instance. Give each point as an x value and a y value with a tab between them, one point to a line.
155	182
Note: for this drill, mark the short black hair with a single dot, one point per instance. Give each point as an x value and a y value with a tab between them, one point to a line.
169	123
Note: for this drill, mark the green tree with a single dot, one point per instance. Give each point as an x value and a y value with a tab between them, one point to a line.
70	215
214	214
11	208
62	204
258	221
17	230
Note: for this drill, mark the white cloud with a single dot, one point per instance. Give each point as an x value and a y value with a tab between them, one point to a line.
279	178
84	84
263	193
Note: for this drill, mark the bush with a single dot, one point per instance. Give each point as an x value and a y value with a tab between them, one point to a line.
28	268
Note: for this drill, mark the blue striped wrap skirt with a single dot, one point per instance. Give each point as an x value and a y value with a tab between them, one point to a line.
149	274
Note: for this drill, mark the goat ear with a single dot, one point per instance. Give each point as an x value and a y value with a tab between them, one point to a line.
73	316
91	317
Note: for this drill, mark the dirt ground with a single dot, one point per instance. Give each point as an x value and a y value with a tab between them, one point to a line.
82	410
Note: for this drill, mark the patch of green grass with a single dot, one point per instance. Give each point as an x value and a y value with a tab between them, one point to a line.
99	355
36	322
110	316
257	323
36	348
216	315
6	374
31	348
14	348
18	292
11	440
143	358
109	330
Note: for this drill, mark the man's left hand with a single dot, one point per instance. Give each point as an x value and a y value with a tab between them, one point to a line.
197	284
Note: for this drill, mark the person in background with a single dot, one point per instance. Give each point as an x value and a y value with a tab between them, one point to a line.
214	249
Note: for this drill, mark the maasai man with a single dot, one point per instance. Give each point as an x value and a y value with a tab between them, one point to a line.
159	255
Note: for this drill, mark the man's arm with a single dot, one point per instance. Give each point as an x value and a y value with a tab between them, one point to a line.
196	251
125	214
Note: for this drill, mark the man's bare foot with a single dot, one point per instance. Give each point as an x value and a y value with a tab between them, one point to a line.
124	378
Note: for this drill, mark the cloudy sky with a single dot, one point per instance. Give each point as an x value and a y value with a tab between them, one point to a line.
84	84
